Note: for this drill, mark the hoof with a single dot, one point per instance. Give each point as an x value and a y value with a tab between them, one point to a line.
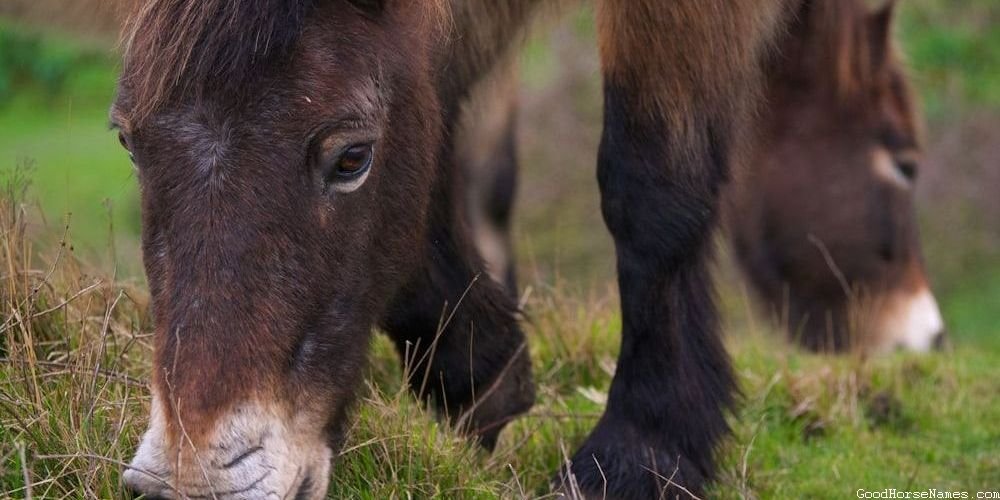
618	463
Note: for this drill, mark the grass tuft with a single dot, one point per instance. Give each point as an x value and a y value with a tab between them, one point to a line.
70	342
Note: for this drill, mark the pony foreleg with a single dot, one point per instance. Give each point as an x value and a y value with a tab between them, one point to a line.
677	79
486	152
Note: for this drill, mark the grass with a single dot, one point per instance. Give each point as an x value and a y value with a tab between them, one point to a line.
74	361
54	117
954	49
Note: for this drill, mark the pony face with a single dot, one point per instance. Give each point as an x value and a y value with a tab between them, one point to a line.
282	197
834	243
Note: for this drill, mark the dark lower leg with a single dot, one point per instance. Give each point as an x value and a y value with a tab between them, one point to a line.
497	209
673	383
486	152
676	80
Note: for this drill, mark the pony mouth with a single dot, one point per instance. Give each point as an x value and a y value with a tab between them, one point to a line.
306	490
275	459
270	482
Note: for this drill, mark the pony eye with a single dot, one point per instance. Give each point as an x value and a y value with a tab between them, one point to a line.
354	161
124	142
344	170
908	169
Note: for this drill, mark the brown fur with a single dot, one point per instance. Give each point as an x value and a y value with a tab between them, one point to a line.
211	41
844	56
680	81
716	43
852	51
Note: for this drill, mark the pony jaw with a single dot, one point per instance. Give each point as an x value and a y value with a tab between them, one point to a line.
253	452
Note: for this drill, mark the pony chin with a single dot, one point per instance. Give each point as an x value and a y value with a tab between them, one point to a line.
255	452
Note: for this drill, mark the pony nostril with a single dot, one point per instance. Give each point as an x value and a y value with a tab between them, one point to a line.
305	489
940	342
134	488
131	492
242	456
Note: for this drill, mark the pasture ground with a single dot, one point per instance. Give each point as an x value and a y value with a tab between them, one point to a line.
74	361
74	345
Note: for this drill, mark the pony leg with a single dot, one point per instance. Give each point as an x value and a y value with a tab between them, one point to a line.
486	151
676	76
457	331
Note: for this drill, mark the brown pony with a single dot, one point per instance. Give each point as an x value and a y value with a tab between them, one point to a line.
821	216
299	187
823	225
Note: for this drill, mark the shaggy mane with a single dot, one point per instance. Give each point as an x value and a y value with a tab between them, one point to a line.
175	47
837	45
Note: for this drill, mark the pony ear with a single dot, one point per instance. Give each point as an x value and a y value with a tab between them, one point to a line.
880	34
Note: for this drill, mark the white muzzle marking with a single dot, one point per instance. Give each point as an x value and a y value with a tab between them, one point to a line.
913	323
254	453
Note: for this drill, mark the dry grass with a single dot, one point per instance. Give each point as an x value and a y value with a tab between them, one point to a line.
69	343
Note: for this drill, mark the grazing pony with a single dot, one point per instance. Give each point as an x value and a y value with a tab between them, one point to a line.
821	216
299	188
823	224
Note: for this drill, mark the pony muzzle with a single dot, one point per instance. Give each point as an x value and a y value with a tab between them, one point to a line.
913	322
252	452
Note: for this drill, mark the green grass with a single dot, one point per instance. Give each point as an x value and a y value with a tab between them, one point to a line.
953	49
972	308
74	360
55	120
823	427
